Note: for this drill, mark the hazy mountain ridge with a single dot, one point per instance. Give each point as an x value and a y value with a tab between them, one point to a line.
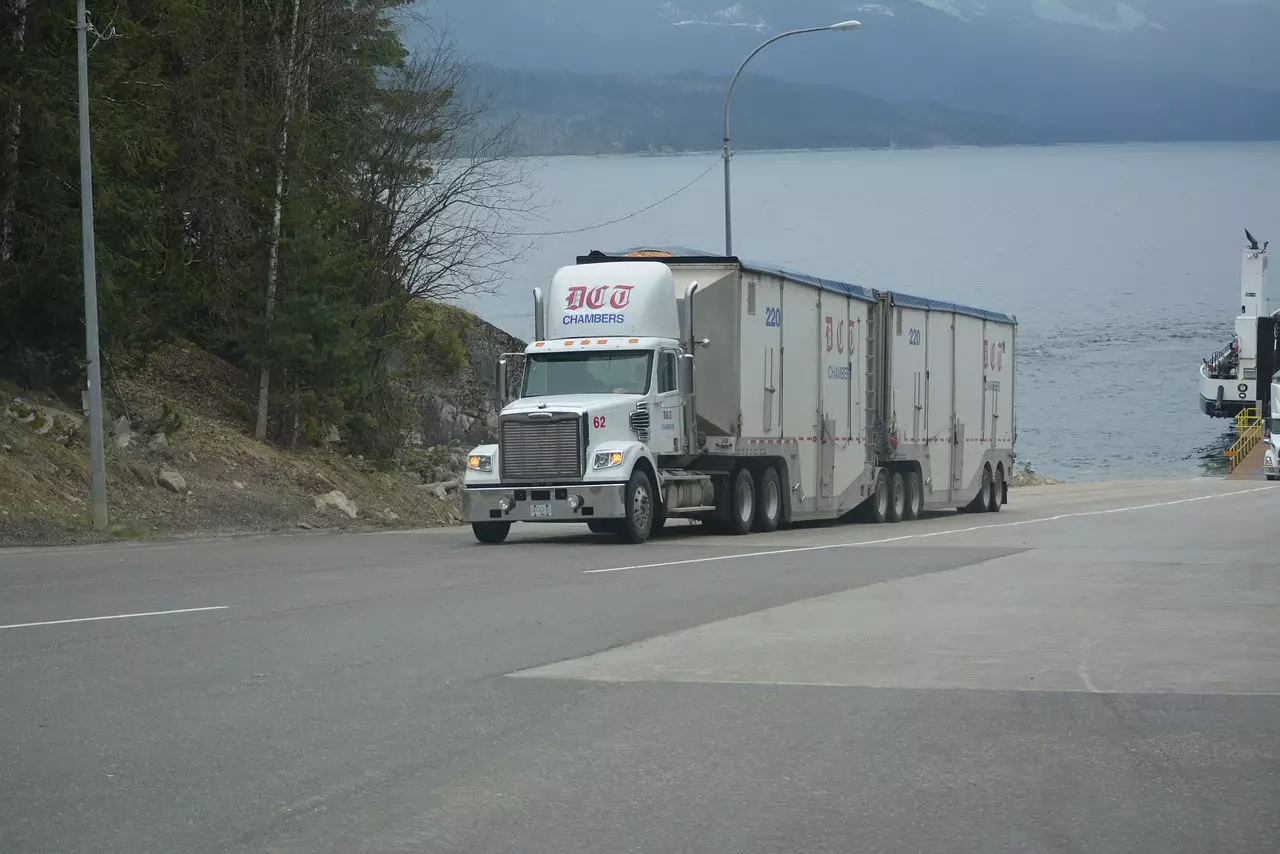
1072	70
566	113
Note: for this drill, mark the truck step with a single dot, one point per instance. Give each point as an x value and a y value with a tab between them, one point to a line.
676	476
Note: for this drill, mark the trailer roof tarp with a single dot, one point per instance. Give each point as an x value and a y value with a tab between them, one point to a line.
687	255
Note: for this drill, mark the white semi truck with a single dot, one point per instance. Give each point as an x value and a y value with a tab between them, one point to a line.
674	383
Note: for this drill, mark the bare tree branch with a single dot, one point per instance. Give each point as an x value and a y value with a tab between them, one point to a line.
440	186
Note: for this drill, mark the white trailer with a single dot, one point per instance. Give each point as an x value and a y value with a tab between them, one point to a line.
666	383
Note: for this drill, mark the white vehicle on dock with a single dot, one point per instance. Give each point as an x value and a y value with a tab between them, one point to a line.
666	384
1271	458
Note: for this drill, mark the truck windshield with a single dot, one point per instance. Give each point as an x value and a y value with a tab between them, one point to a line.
614	372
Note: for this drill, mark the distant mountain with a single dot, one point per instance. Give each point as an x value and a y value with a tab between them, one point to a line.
564	113
1070	70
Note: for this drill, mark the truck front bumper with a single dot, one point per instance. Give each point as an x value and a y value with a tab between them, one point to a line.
577	503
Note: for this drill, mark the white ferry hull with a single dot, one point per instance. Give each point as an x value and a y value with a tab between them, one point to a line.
1225	398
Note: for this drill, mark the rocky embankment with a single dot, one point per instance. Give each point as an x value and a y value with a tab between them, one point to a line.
1027	477
181	459
461	410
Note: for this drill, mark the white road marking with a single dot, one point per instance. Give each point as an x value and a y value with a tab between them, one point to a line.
926	534
116	617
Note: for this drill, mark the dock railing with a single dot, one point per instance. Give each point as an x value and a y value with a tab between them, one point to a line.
1248	435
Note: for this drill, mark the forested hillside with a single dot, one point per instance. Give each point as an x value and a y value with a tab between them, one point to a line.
277	181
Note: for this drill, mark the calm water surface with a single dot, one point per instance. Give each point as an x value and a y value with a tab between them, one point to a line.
1121	262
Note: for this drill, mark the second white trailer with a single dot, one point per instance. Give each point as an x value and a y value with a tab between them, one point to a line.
948	382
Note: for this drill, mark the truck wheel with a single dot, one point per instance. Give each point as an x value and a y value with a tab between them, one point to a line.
979	502
878	503
769	503
915	496
639	507
997	492
897	498
742	503
491	533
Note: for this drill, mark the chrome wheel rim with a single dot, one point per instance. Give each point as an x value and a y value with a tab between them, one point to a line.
899	500
771	500
744	502
882	497
641	509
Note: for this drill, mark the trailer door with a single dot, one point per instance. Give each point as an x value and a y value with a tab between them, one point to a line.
940	341
994	348
1000	374
798	392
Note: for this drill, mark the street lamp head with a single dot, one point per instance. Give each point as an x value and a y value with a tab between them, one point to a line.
846	25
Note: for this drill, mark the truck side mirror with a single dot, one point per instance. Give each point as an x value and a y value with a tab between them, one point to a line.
500	380
686	373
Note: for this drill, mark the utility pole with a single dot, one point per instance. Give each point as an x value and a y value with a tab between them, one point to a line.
98	488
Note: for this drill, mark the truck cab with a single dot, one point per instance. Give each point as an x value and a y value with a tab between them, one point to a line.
600	400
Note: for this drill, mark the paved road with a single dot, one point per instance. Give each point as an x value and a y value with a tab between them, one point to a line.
1094	669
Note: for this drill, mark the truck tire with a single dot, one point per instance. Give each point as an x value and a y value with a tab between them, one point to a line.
878	502
742	503
491	533
979	502
915	496
768	500
897	498
997	492
639	505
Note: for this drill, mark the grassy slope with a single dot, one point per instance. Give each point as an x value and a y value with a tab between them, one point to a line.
234	483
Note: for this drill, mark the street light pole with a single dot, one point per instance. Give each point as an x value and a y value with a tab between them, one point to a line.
98	486
728	208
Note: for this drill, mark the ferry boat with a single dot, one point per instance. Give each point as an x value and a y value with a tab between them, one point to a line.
1228	378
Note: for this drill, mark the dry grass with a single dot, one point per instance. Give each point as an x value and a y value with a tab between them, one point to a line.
234	483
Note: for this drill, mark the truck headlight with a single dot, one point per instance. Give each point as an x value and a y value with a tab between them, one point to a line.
480	462
607	459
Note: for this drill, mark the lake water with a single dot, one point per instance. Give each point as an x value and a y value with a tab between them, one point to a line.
1122	264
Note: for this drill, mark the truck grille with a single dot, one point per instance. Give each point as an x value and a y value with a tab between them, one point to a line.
639	422
541	450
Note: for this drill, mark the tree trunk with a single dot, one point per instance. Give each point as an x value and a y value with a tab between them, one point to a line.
12	139
273	262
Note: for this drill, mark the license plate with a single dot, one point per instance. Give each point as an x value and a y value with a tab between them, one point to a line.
540	511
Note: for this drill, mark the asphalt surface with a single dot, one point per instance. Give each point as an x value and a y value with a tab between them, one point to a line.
1096	668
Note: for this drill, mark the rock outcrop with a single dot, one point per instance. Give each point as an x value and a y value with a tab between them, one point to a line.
462	411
